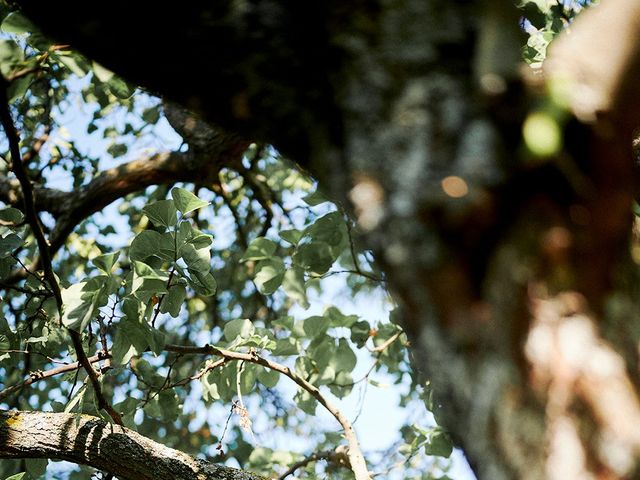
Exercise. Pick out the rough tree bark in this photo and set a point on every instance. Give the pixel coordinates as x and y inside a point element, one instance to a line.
<point>518,296</point>
<point>90,441</point>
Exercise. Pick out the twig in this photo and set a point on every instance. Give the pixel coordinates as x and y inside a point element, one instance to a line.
<point>52,360</point>
<point>226,426</point>
<point>383,346</point>
<point>353,272</point>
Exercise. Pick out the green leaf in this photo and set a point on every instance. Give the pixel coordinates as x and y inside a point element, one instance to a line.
<point>338,319</point>
<point>147,282</point>
<point>162,212</point>
<point>247,378</point>
<point>106,261</point>
<point>10,55</point>
<point>17,23</point>
<point>185,201</point>
<point>151,115</point>
<point>316,325</point>
<point>123,349</point>
<point>330,229</point>
<point>200,240</point>
<point>269,378</point>
<point>306,402</point>
<point>286,347</point>
<point>344,360</point>
<point>260,249</point>
<point>151,243</point>
<point>293,285</point>
<point>117,150</point>
<point>101,73</point>
<point>269,275</point>
<point>83,300</point>
<point>172,301</point>
<point>342,384</point>
<point>36,467</point>
<point>120,88</point>
<point>198,260</point>
<point>9,243</point>
<point>292,236</point>
<point>360,333</point>
<point>439,444</point>
<point>322,349</point>
<point>261,456</point>
<point>204,284</point>
<point>315,198</point>
<point>17,476</point>
<point>73,62</point>
<point>5,344</point>
<point>239,328</point>
<point>11,215</point>
<point>77,398</point>
<point>315,257</point>
<point>210,386</point>
<point>327,376</point>
<point>148,373</point>
<point>169,405</point>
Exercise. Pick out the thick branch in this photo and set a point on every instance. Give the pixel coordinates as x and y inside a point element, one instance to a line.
<point>86,440</point>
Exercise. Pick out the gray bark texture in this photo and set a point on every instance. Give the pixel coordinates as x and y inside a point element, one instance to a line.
<point>90,441</point>
<point>519,295</point>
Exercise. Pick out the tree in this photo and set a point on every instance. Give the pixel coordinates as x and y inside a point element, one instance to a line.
<point>138,320</point>
<point>498,207</point>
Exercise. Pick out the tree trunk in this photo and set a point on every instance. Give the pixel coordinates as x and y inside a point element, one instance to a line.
<point>513,275</point>
<point>90,441</point>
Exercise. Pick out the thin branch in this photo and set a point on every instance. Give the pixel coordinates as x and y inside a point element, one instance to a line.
<point>210,366</point>
<point>39,375</point>
<point>52,360</point>
<point>352,272</point>
<point>356,458</point>
<point>27,191</point>
<point>331,455</point>
<point>354,453</point>
<point>26,291</point>
<point>383,346</point>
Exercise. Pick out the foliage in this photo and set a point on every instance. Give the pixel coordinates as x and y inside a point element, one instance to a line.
<point>543,20</point>
<point>241,263</point>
